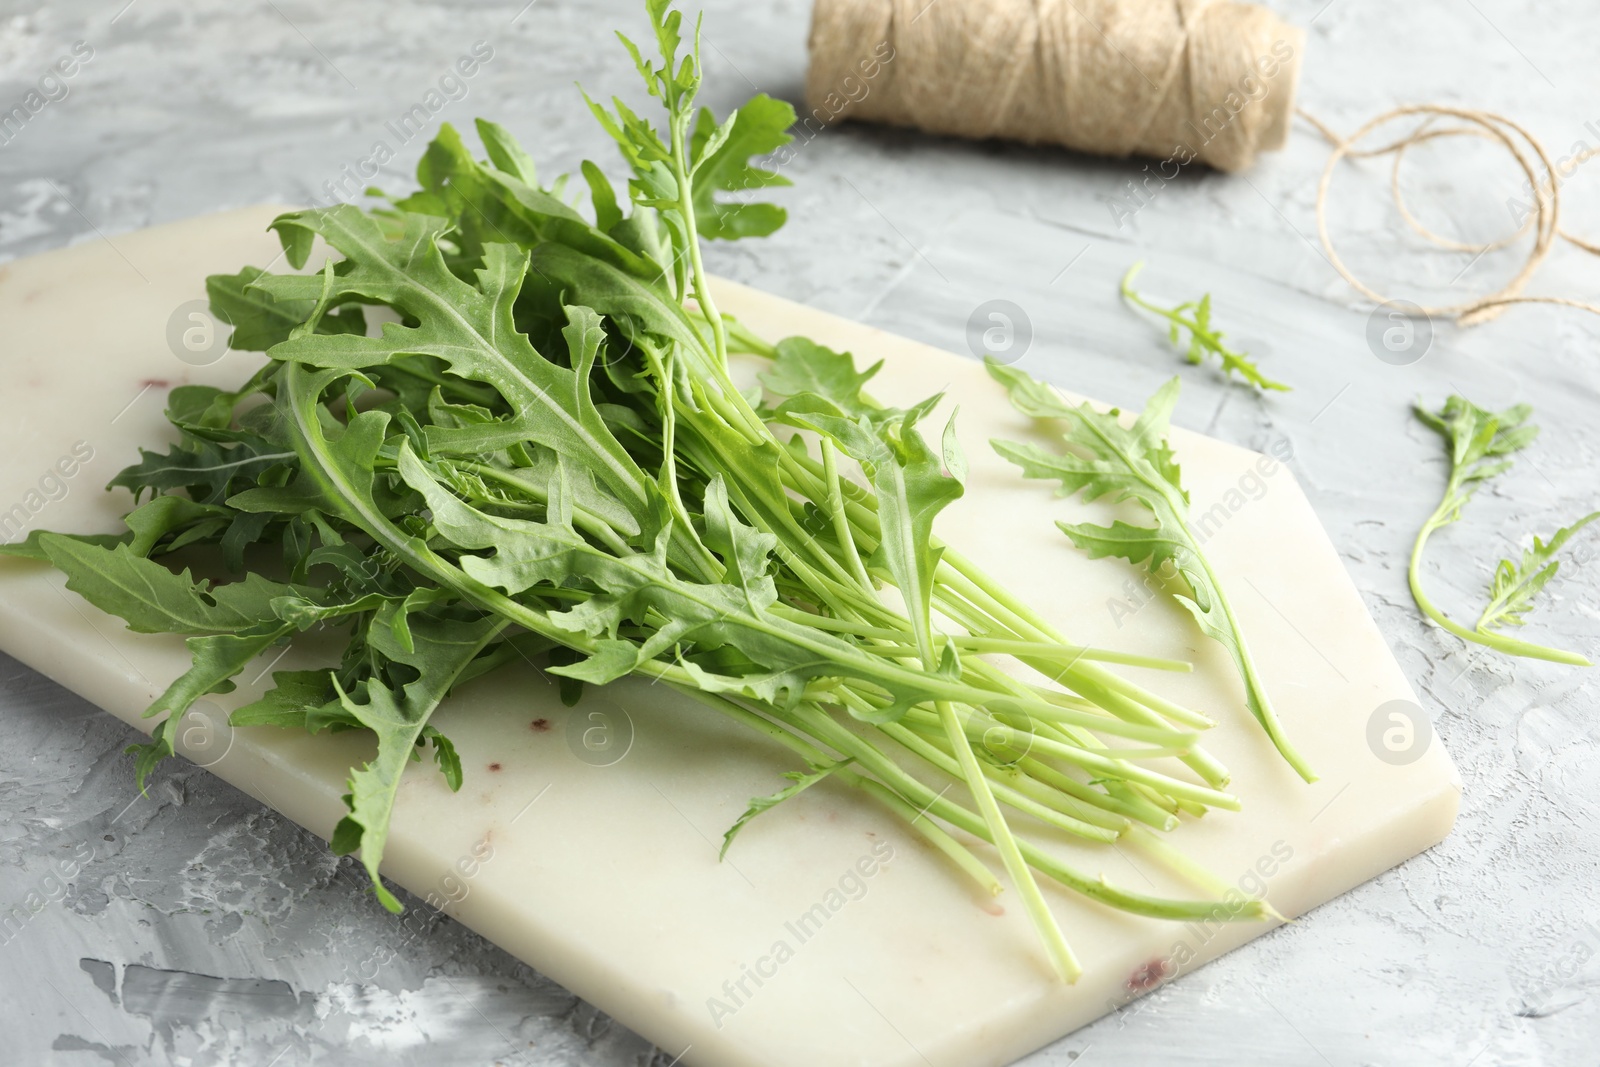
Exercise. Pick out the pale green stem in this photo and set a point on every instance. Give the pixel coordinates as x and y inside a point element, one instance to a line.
<point>1488,639</point>
<point>841,521</point>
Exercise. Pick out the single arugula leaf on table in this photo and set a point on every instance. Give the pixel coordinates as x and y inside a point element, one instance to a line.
<point>1517,584</point>
<point>1481,444</point>
<point>1194,316</point>
<point>1103,458</point>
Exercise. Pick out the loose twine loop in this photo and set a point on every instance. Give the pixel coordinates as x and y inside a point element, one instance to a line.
<point>1211,80</point>
<point>1544,183</point>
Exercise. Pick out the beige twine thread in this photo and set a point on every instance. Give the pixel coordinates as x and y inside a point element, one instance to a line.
<point>1544,180</point>
<point>1112,77</point>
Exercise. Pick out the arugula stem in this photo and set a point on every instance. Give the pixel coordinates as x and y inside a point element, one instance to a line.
<point>1045,651</point>
<point>1173,317</point>
<point>1112,764</point>
<point>978,587</point>
<point>1156,703</point>
<point>1096,888</point>
<point>663,370</point>
<point>1018,779</point>
<point>841,520</point>
<point>1181,865</point>
<point>931,832</point>
<point>685,207</point>
<point>1025,622</point>
<point>1044,921</point>
<point>916,820</point>
<point>942,758</point>
<point>1247,664</point>
<point>1488,638</point>
<point>1128,809</point>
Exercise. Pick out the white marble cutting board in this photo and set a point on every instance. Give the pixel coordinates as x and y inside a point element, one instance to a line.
<point>601,869</point>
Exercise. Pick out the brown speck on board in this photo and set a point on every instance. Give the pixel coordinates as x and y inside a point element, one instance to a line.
<point>494,766</point>
<point>155,383</point>
<point>993,907</point>
<point>540,725</point>
<point>1147,976</point>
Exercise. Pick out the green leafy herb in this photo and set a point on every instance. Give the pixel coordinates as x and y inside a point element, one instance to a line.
<point>1481,444</point>
<point>1515,585</point>
<point>1194,316</point>
<point>542,452</point>
<point>1103,458</point>
<point>802,781</point>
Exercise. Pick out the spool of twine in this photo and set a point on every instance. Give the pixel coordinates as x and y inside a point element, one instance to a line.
<point>1182,80</point>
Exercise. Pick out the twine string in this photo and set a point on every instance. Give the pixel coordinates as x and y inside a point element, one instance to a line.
<point>1526,150</point>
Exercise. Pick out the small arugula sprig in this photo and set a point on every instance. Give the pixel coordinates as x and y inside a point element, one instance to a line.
<point>1516,584</point>
<point>1481,443</point>
<point>1195,317</point>
<point>1103,458</point>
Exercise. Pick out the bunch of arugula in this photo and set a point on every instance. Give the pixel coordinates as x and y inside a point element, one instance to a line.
<point>542,452</point>
<point>1481,445</point>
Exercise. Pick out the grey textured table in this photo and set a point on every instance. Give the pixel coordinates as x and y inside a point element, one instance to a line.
<point>204,929</point>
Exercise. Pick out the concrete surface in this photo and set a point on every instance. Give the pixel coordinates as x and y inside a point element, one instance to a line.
<point>191,926</point>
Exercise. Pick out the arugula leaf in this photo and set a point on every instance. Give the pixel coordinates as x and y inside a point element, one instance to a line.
<point>496,206</point>
<point>442,651</point>
<point>1204,339</point>
<point>233,623</point>
<point>291,700</point>
<point>722,156</point>
<point>1516,585</point>
<point>1135,464</point>
<point>32,546</point>
<point>209,472</point>
<point>912,489</point>
<point>801,366</point>
<point>1481,443</point>
<point>506,154</point>
<point>152,599</point>
<point>163,515</point>
<point>471,328</point>
<point>217,658</point>
<point>259,321</point>
<point>802,782</point>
